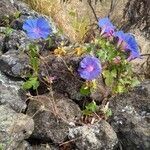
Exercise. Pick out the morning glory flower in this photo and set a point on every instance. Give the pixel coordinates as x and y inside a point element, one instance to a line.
<point>89,68</point>
<point>128,42</point>
<point>107,27</point>
<point>37,28</point>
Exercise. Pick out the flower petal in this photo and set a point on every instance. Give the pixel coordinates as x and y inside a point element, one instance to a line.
<point>43,24</point>
<point>29,24</point>
<point>129,44</point>
<point>106,26</point>
<point>33,35</point>
<point>85,64</point>
<point>37,28</point>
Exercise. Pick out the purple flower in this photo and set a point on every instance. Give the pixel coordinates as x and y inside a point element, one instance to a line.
<point>106,26</point>
<point>89,68</point>
<point>128,43</point>
<point>37,28</point>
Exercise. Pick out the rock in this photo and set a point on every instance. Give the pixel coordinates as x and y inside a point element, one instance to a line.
<point>14,63</point>
<point>131,115</point>
<point>11,93</point>
<point>100,92</point>
<point>44,147</point>
<point>141,66</point>
<point>7,9</point>
<point>16,40</point>
<point>27,146</point>
<point>145,87</point>
<point>49,128</point>
<point>136,13</point>
<point>98,136</point>
<point>14,127</point>
<point>24,145</point>
<point>65,81</point>
<point>52,117</point>
<point>2,40</point>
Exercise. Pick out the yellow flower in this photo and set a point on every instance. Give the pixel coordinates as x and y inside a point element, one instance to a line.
<point>79,51</point>
<point>59,51</point>
<point>91,84</point>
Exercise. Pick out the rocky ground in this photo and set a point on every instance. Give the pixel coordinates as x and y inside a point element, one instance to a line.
<point>32,122</point>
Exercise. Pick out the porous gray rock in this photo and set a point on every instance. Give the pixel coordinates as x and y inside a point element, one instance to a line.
<point>11,93</point>
<point>52,116</point>
<point>98,136</point>
<point>7,9</point>
<point>14,127</point>
<point>65,81</point>
<point>16,40</point>
<point>131,116</point>
<point>14,63</point>
<point>137,14</point>
<point>24,145</point>
<point>27,146</point>
<point>2,40</point>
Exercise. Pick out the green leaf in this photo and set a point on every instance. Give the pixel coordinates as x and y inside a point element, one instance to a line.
<point>85,90</point>
<point>92,107</point>
<point>86,112</point>
<point>120,89</point>
<point>134,82</point>
<point>31,83</point>
<point>108,113</point>
<point>102,55</point>
<point>89,48</point>
<point>1,146</point>
<point>109,79</point>
<point>8,31</point>
<point>17,14</point>
<point>33,50</point>
<point>114,73</point>
<point>27,85</point>
<point>35,64</point>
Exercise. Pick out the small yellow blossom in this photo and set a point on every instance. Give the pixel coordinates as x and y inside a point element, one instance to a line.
<point>79,51</point>
<point>59,52</point>
<point>91,84</point>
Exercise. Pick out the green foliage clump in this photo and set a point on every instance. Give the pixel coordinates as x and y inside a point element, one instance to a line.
<point>90,108</point>
<point>117,71</point>
<point>33,82</point>
<point>93,108</point>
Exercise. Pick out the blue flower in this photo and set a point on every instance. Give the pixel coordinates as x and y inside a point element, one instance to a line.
<point>107,27</point>
<point>128,43</point>
<point>37,28</point>
<point>89,68</point>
